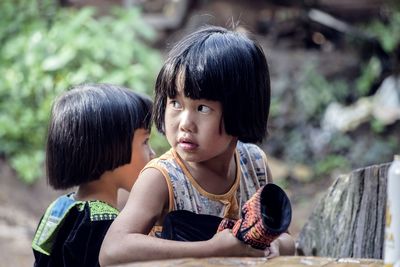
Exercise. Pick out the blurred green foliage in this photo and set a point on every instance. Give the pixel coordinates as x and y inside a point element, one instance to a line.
<point>330,163</point>
<point>387,32</point>
<point>45,50</point>
<point>370,72</point>
<point>295,140</point>
<point>345,150</point>
<point>316,92</point>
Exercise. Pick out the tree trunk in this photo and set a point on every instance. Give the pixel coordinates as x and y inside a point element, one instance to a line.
<point>350,219</point>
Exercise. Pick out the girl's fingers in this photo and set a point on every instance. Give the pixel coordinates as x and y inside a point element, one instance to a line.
<point>267,252</point>
<point>271,252</point>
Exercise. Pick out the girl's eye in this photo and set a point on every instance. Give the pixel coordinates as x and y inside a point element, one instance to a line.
<point>204,109</point>
<point>175,104</point>
<point>146,142</point>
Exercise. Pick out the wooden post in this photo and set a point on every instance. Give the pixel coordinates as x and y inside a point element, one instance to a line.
<point>350,220</point>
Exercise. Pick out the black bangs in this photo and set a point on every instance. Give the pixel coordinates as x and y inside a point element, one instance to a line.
<point>220,65</point>
<point>213,69</point>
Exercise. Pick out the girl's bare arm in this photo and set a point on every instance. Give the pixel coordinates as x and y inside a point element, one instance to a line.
<point>127,239</point>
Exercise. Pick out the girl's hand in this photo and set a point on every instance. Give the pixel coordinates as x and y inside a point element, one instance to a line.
<point>273,250</point>
<point>225,244</point>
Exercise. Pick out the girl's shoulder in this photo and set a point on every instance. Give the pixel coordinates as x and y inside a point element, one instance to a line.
<point>66,215</point>
<point>253,165</point>
<point>250,151</point>
<point>101,211</point>
<point>169,162</point>
<point>167,156</point>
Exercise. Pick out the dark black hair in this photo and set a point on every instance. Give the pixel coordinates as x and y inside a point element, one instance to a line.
<point>221,65</point>
<point>91,131</point>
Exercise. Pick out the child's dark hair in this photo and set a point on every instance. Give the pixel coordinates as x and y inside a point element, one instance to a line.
<point>91,131</point>
<point>221,65</point>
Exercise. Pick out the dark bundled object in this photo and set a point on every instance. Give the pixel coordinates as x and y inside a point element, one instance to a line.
<point>184,225</point>
<point>265,216</point>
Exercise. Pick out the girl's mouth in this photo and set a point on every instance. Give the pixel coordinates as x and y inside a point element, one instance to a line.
<point>187,145</point>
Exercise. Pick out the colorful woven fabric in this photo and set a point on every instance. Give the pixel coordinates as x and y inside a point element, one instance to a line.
<point>265,216</point>
<point>226,224</point>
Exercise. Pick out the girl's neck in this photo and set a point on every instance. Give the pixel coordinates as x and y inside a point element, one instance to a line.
<point>216,175</point>
<point>98,190</point>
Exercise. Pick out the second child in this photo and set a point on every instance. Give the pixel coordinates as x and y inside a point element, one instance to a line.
<point>98,142</point>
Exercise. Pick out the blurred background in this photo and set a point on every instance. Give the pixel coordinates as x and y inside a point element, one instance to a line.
<point>334,73</point>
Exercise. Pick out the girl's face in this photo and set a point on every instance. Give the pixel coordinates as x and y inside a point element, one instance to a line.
<point>194,128</point>
<point>141,154</point>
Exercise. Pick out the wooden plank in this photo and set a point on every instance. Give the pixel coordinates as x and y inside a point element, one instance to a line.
<point>349,221</point>
<point>283,261</point>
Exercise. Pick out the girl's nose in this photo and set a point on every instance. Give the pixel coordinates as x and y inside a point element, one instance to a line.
<point>186,121</point>
<point>152,153</point>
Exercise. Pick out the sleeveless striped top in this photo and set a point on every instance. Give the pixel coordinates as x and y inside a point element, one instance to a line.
<point>186,194</point>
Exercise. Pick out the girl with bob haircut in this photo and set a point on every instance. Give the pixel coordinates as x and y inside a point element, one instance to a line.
<point>212,98</point>
<point>98,141</point>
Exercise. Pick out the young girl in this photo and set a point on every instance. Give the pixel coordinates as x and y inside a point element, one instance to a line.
<point>212,96</point>
<point>98,141</point>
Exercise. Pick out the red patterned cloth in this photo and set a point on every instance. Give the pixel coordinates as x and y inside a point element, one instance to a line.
<point>265,216</point>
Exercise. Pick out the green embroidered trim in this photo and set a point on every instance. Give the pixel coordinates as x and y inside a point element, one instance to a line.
<point>100,211</point>
<point>42,232</point>
<point>50,223</point>
<point>55,214</point>
<point>81,206</point>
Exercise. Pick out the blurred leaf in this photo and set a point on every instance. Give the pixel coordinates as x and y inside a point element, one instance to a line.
<point>59,60</point>
<point>45,50</point>
<point>368,76</point>
<point>387,33</point>
<point>330,163</point>
<point>24,165</point>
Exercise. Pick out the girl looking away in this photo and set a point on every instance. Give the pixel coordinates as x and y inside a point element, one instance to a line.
<point>212,99</point>
<point>97,142</point>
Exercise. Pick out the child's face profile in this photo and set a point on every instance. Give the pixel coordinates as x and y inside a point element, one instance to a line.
<point>194,128</point>
<point>142,153</point>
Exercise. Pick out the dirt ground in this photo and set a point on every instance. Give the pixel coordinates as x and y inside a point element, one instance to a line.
<point>21,206</point>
